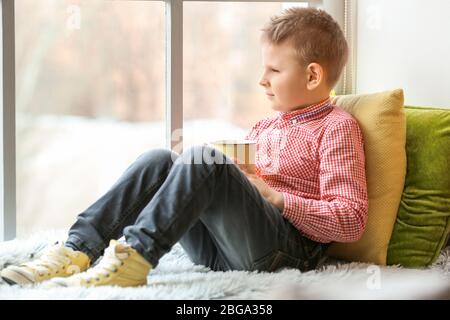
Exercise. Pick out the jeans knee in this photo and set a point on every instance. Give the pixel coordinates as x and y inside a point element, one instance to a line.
<point>158,156</point>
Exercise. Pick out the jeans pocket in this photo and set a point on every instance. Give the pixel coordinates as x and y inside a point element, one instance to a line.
<point>264,263</point>
<point>284,260</point>
<point>277,260</point>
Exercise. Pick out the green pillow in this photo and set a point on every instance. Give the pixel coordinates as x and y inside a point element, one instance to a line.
<point>423,219</point>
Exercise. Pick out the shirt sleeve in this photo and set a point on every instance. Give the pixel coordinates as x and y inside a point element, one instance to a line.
<point>341,212</point>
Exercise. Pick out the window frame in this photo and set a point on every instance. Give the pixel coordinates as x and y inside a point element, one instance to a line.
<point>173,102</point>
<point>8,124</point>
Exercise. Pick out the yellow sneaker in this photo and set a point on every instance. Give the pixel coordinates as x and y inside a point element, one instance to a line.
<point>121,266</point>
<point>56,261</point>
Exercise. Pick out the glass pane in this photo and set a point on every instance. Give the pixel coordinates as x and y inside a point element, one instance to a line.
<point>222,65</point>
<point>90,100</point>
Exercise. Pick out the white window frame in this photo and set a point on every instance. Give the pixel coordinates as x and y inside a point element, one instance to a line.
<point>173,103</point>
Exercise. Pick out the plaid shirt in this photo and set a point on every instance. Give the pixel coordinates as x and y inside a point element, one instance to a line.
<point>315,158</point>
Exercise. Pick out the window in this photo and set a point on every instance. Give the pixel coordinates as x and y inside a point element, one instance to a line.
<point>98,82</point>
<point>89,100</point>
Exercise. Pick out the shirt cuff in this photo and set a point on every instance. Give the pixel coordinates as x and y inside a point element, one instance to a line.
<point>293,208</point>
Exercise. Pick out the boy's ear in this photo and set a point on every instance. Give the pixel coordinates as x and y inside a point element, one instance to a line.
<point>315,75</point>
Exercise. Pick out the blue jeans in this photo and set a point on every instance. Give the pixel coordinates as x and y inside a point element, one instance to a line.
<point>212,209</point>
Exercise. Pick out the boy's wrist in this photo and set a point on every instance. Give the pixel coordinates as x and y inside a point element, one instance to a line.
<point>277,199</point>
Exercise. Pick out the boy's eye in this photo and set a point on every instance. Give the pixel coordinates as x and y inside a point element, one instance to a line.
<point>275,70</point>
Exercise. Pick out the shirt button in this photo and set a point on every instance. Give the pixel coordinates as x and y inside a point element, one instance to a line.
<point>294,121</point>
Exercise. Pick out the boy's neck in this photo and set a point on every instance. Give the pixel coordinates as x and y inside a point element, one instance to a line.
<point>316,102</point>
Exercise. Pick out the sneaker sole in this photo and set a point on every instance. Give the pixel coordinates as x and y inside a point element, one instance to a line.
<point>13,278</point>
<point>11,283</point>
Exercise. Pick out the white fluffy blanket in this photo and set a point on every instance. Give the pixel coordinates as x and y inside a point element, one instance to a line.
<point>177,278</point>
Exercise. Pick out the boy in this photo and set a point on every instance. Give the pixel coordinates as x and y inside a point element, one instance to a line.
<point>308,189</point>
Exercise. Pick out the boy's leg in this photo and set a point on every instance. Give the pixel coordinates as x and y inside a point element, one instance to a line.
<point>201,247</point>
<point>248,231</point>
<point>104,220</point>
<point>120,206</point>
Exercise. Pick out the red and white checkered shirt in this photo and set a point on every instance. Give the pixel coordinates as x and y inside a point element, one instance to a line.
<point>315,158</point>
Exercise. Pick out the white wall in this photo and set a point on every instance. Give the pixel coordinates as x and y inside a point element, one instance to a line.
<point>405,44</point>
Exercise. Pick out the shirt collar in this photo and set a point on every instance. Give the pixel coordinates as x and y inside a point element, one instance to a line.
<point>309,113</point>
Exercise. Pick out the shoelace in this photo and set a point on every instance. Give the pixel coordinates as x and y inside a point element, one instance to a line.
<point>55,259</point>
<point>110,263</point>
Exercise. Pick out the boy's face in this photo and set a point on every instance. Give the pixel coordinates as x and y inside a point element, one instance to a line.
<point>283,78</point>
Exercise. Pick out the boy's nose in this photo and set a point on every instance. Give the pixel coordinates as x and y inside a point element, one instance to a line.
<point>263,82</point>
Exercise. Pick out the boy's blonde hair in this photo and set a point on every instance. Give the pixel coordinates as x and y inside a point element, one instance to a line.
<point>315,36</point>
